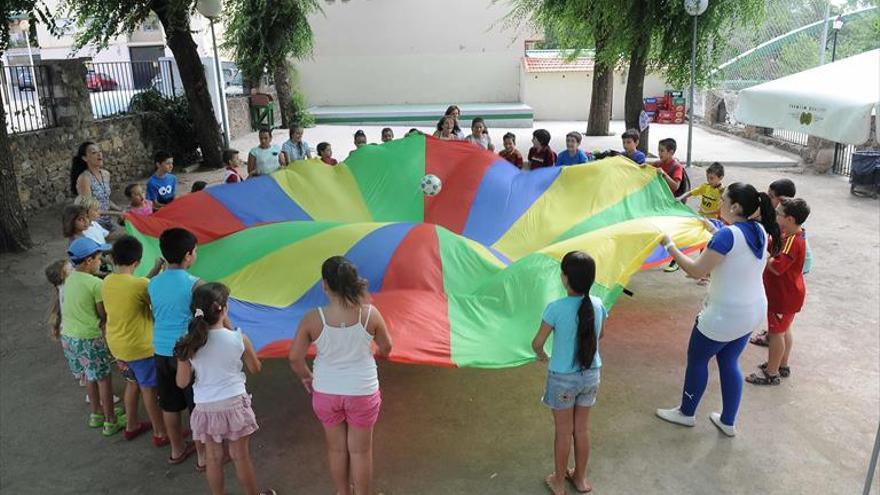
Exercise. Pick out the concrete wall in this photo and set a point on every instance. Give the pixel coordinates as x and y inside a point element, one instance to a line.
<point>411,52</point>
<point>566,95</point>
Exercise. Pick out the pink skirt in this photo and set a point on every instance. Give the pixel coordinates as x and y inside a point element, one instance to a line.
<point>228,419</point>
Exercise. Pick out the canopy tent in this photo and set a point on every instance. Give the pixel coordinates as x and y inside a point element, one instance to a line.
<point>833,101</point>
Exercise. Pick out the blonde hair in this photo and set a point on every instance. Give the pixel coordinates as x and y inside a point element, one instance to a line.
<point>88,202</point>
<point>56,273</point>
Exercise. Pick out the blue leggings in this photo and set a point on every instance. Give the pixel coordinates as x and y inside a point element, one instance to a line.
<point>700,351</point>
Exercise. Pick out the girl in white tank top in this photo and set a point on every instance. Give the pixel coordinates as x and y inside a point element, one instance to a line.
<point>344,382</point>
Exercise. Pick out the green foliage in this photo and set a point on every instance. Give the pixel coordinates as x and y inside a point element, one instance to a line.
<point>168,125</point>
<point>262,33</point>
<point>299,112</point>
<point>12,10</point>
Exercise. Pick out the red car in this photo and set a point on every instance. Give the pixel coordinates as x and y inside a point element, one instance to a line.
<point>96,81</point>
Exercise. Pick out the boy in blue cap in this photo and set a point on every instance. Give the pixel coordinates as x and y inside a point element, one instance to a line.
<point>82,336</point>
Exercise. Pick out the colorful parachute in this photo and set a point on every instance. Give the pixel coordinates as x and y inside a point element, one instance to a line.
<point>461,278</point>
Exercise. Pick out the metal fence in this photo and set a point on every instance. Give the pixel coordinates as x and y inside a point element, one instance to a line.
<point>26,91</point>
<point>112,85</point>
<point>791,136</point>
<point>843,159</point>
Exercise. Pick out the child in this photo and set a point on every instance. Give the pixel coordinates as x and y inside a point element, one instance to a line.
<point>137,202</point>
<point>81,337</point>
<point>197,186</point>
<point>540,155</point>
<point>387,135</point>
<point>572,154</point>
<point>74,221</point>
<point>170,296</point>
<point>630,140</point>
<point>232,164</point>
<point>510,153</point>
<point>446,129</point>
<point>265,158</point>
<point>785,188</point>
<point>673,174</point>
<point>56,274</point>
<point>360,138</point>
<point>95,230</point>
<point>345,385</point>
<point>709,192</point>
<point>784,284</point>
<point>162,185</point>
<point>326,154</point>
<point>214,351</point>
<point>479,135</point>
<point>130,336</point>
<point>295,148</point>
<point>413,131</point>
<point>573,370</point>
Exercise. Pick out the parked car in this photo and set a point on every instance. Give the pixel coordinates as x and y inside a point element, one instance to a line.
<point>98,81</point>
<point>25,80</point>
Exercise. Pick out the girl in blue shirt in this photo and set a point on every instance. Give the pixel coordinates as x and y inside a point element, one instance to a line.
<point>573,370</point>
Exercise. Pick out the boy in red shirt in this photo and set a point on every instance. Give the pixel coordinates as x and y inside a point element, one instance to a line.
<point>668,166</point>
<point>232,162</point>
<point>541,155</point>
<point>510,153</point>
<point>784,284</point>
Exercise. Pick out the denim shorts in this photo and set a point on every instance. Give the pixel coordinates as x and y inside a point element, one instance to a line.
<point>566,390</point>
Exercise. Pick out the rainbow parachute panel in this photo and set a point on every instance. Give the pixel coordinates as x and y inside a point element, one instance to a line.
<point>461,278</point>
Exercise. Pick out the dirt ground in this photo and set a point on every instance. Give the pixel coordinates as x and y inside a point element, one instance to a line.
<point>467,431</point>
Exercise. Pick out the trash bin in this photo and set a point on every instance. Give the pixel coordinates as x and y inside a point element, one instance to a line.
<point>864,176</point>
<point>262,111</point>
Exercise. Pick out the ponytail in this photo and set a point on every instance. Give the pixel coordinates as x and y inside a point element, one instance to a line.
<point>343,280</point>
<point>768,220</point>
<point>78,165</point>
<point>207,306</point>
<point>580,271</point>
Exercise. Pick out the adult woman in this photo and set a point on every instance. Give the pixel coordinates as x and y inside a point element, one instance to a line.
<point>88,178</point>
<point>265,158</point>
<point>735,306</point>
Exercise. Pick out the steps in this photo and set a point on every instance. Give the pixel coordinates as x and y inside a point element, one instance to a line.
<point>495,114</point>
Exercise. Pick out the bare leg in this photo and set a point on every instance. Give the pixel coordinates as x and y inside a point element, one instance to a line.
<point>337,455</point>
<point>564,422</point>
<point>239,450</point>
<point>153,411</point>
<point>360,450</point>
<point>789,341</point>
<point>581,448</point>
<point>175,434</point>
<point>94,397</point>
<point>200,453</point>
<point>215,467</point>
<point>105,390</point>
<point>130,400</point>
<point>776,345</point>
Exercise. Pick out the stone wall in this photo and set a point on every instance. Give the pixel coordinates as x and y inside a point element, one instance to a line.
<point>42,158</point>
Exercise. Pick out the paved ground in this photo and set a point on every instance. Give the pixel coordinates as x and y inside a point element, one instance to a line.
<point>448,431</point>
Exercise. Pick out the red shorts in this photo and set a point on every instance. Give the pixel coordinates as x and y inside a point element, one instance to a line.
<point>361,411</point>
<point>779,322</point>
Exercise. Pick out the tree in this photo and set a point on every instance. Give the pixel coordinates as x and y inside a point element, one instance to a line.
<point>262,34</point>
<point>14,235</point>
<point>101,21</point>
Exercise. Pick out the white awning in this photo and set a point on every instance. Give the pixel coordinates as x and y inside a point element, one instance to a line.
<point>833,101</point>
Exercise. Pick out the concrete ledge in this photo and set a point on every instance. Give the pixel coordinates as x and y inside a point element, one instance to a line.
<point>495,114</point>
<point>757,164</point>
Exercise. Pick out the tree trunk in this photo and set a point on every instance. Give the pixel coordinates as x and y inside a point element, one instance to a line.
<point>635,88</point>
<point>603,93</point>
<point>192,75</point>
<point>14,235</point>
<point>281,75</point>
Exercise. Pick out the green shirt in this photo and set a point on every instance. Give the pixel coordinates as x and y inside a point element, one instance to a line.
<point>79,314</point>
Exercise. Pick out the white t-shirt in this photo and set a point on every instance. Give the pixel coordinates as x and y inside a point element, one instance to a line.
<point>218,367</point>
<point>96,233</point>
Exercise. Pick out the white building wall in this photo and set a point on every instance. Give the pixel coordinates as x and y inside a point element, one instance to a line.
<point>411,52</point>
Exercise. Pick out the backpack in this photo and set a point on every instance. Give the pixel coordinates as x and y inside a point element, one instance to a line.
<point>685,184</point>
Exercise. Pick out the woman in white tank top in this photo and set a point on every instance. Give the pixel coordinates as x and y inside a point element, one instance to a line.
<point>735,306</point>
<point>344,382</point>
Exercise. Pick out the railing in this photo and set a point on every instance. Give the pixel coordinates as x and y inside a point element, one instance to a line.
<point>112,85</point>
<point>791,136</point>
<point>843,159</point>
<point>26,91</point>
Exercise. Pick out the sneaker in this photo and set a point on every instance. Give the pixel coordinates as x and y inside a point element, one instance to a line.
<point>673,267</point>
<point>111,429</point>
<point>728,430</point>
<point>96,420</point>
<point>675,416</point>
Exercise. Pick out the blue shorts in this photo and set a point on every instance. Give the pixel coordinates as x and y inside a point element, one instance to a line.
<point>566,390</point>
<point>142,371</point>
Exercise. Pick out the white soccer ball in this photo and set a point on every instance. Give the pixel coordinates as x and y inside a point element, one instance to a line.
<point>431,185</point>
<point>695,7</point>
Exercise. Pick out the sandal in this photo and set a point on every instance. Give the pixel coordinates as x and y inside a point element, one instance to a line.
<point>569,475</point>
<point>784,371</point>
<point>201,468</point>
<point>142,427</point>
<point>766,379</point>
<point>188,450</point>
<point>759,340</point>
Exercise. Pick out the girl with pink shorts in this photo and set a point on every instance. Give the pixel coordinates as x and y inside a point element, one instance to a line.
<point>344,382</point>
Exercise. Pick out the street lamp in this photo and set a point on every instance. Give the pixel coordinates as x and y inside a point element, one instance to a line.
<point>25,26</point>
<point>836,26</point>
<point>694,8</point>
<point>211,9</point>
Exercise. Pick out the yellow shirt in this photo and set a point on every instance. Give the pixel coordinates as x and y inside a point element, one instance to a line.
<point>129,318</point>
<point>711,198</point>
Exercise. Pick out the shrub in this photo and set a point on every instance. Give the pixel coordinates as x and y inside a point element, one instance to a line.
<point>168,125</point>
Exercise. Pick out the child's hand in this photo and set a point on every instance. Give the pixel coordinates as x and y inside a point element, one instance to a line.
<point>159,265</point>
<point>708,224</point>
<point>542,356</point>
<point>665,240</point>
<point>307,383</point>
<point>121,365</point>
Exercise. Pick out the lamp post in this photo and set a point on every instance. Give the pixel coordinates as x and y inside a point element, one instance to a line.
<point>836,27</point>
<point>211,9</point>
<point>25,26</point>
<point>695,8</point>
